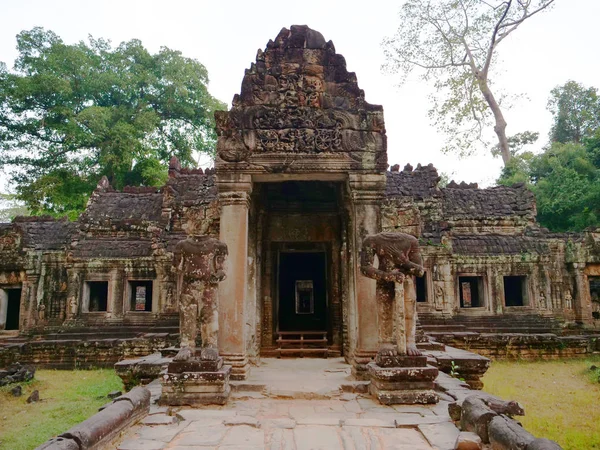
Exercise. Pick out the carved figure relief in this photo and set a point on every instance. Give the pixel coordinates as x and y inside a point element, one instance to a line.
<point>568,300</point>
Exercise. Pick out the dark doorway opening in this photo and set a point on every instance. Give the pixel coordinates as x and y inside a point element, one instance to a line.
<point>13,309</point>
<point>471,292</point>
<point>515,293</point>
<point>302,291</point>
<point>594,283</point>
<point>98,291</point>
<point>140,298</point>
<point>421,287</point>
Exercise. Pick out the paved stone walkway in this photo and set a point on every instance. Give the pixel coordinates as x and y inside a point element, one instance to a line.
<point>298,404</point>
<point>350,422</point>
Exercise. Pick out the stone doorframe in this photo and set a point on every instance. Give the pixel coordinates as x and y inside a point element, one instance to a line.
<point>239,323</point>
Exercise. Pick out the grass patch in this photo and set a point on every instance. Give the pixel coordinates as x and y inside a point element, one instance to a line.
<point>560,398</point>
<point>67,398</point>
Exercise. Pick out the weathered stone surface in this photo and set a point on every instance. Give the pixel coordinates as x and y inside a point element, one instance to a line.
<point>467,440</point>
<point>542,444</point>
<point>506,434</point>
<point>405,397</point>
<point>59,443</point>
<point>402,374</point>
<point>159,419</point>
<point>476,417</point>
<point>196,388</point>
<point>242,420</point>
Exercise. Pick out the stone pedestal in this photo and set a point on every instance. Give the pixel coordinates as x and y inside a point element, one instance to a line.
<point>196,382</point>
<point>402,380</point>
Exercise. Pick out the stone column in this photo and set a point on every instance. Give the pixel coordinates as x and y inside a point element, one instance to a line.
<point>367,193</point>
<point>3,308</point>
<point>234,198</point>
<point>582,303</point>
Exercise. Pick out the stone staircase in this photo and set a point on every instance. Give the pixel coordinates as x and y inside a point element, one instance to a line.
<point>514,323</point>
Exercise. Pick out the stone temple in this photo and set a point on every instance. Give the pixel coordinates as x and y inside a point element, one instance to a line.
<point>300,178</point>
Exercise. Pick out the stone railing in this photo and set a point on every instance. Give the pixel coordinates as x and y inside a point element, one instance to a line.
<point>97,431</point>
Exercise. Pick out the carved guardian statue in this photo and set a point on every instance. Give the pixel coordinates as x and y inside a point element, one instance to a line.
<point>399,260</point>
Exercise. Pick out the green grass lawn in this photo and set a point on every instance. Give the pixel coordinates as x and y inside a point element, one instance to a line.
<point>67,397</point>
<point>561,398</point>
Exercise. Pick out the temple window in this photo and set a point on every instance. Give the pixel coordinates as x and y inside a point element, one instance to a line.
<point>470,290</point>
<point>515,291</point>
<point>140,295</point>
<point>95,296</point>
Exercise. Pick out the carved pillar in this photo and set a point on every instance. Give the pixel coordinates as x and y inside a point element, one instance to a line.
<point>367,192</point>
<point>583,300</point>
<point>234,198</point>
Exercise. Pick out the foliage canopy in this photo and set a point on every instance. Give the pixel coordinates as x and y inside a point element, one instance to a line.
<point>70,114</point>
<point>454,44</point>
<point>565,177</point>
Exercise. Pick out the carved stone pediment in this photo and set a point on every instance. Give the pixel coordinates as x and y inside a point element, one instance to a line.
<point>297,104</point>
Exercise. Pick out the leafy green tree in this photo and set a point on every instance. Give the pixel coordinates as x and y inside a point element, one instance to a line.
<point>566,184</point>
<point>576,111</point>
<point>454,44</point>
<point>70,114</point>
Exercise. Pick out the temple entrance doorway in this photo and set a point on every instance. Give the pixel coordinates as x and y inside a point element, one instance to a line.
<point>10,305</point>
<point>302,291</point>
<point>301,231</point>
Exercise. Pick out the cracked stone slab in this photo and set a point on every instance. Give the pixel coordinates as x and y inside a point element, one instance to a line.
<point>442,435</point>
<point>244,436</point>
<point>280,423</point>
<point>242,420</point>
<point>377,423</point>
<point>141,444</point>
<point>159,419</point>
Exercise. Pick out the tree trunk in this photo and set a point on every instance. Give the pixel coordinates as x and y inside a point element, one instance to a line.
<point>500,126</point>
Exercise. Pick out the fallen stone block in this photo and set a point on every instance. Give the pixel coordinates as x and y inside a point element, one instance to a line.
<point>506,434</point>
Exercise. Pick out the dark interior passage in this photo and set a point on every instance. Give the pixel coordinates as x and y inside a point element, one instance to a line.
<point>98,296</point>
<point>302,291</point>
<point>13,310</point>
<point>421,288</point>
<point>514,291</point>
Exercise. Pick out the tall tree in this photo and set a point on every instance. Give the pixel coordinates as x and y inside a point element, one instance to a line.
<point>72,113</point>
<point>454,43</point>
<point>576,111</point>
<point>566,182</point>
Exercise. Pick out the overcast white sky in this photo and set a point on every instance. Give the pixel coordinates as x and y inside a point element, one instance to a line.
<point>224,35</point>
